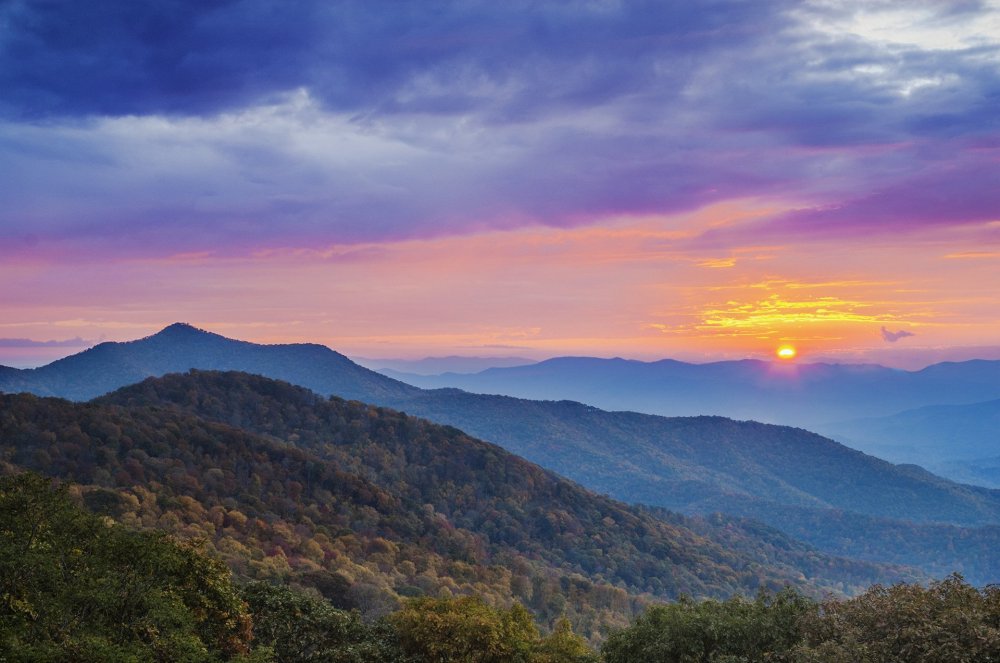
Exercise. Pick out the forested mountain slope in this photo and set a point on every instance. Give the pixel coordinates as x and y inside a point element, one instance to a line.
<point>832,497</point>
<point>701,463</point>
<point>960,441</point>
<point>673,462</point>
<point>368,505</point>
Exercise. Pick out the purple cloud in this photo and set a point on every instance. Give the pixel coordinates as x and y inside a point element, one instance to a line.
<point>29,343</point>
<point>231,125</point>
<point>893,336</point>
<point>114,57</point>
<point>931,188</point>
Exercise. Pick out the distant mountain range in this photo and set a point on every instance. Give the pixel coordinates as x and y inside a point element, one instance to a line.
<point>841,500</point>
<point>958,441</point>
<point>438,365</point>
<point>807,395</point>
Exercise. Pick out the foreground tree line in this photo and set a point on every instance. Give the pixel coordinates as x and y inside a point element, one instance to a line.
<point>76,586</point>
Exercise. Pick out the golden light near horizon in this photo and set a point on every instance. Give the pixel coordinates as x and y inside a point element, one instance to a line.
<point>786,352</point>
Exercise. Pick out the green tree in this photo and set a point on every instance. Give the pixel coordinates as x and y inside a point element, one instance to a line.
<point>736,630</point>
<point>564,646</point>
<point>300,628</point>
<point>465,630</point>
<point>73,586</point>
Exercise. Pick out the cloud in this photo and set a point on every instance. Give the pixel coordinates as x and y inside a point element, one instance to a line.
<point>961,189</point>
<point>291,174</point>
<point>231,126</point>
<point>893,336</point>
<point>29,343</point>
<point>115,57</point>
<point>973,255</point>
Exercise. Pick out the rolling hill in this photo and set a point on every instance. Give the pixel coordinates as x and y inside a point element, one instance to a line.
<point>797,394</point>
<point>438,365</point>
<point>787,478</point>
<point>368,505</point>
<point>958,441</point>
<point>704,464</point>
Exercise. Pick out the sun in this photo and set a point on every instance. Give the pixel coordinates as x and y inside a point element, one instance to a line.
<point>786,352</point>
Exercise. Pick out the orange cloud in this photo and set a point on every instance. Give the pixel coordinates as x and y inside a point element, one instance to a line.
<point>633,287</point>
<point>973,255</point>
<point>718,263</point>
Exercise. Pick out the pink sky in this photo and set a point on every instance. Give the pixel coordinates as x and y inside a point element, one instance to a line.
<point>635,287</point>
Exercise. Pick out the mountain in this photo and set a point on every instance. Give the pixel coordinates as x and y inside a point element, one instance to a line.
<point>788,478</point>
<point>838,499</point>
<point>794,394</point>
<point>693,463</point>
<point>705,463</point>
<point>180,347</point>
<point>438,365</point>
<point>959,441</point>
<point>368,505</point>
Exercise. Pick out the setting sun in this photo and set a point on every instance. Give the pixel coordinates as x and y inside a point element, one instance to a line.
<point>786,352</point>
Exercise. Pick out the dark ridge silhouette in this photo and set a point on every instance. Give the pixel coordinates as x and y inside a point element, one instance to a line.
<point>180,347</point>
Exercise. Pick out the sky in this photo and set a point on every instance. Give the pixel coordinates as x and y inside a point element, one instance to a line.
<point>698,180</point>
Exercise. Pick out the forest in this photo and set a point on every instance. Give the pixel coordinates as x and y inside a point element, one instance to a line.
<point>225,516</point>
<point>832,498</point>
<point>370,507</point>
<point>78,586</point>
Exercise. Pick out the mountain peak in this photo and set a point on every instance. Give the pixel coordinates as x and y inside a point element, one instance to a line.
<point>181,331</point>
<point>181,346</point>
<point>179,328</point>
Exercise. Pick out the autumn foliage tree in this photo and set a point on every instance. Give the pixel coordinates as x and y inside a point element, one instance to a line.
<point>467,630</point>
<point>945,621</point>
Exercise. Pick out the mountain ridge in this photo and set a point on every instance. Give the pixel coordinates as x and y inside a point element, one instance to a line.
<point>181,346</point>
<point>317,480</point>
<point>957,441</point>
<point>697,464</point>
<point>437,365</point>
<point>797,394</point>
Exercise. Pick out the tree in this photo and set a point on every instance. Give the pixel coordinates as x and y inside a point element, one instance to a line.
<point>465,630</point>
<point>300,628</point>
<point>564,646</point>
<point>766,629</point>
<point>947,621</point>
<point>74,586</point>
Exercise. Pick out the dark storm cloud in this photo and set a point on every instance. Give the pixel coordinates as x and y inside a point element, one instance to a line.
<point>114,57</point>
